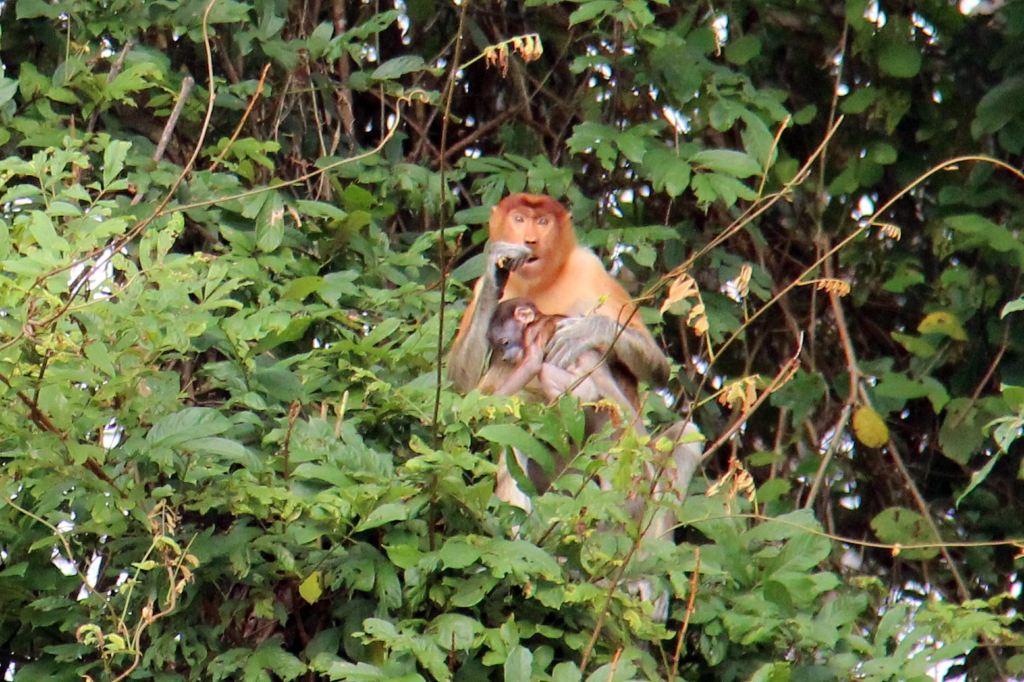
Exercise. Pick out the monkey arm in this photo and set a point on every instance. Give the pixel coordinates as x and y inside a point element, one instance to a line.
<point>633,348</point>
<point>468,356</point>
<point>524,373</point>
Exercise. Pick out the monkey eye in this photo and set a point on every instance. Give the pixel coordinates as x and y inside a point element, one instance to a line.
<point>518,217</point>
<point>543,220</point>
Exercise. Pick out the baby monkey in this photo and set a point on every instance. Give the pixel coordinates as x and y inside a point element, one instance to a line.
<point>518,334</point>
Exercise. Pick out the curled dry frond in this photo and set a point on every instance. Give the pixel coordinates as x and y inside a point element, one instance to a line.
<point>698,319</point>
<point>682,288</point>
<point>742,281</point>
<point>737,478</point>
<point>742,392</point>
<point>528,47</point>
<point>833,286</point>
<point>891,231</point>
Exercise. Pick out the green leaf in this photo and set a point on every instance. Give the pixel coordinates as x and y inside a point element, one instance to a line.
<point>113,160</point>
<point>1014,306</point>
<point>900,526</point>
<point>188,424</point>
<point>858,101</point>
<point>566,672</point>
<point>900,59</point>
<point>989,234</point>
<point>518,666</point>
<point>979,476</point>
<point>741,51</point>
<point>455,632</point>
<point>667,171</point>
<point>310,589</point>
<point>270,223</point>
<point>298,289</point>
<point>99,355</point>
<point>513,436</point>
<point>882,153</point>
<point>945,323</point>
<point>1000,105</point>
<point>917,345</point>
<point>734,163</point>
<point>270,656</point>
<point>32,9</point>
<point>384,514</point>
<point>457,553</point>
<point>8,88</point>
<point>397,67</point>
<point>591,10</point>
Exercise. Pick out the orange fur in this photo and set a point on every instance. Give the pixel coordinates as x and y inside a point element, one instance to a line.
<point>566,279</point>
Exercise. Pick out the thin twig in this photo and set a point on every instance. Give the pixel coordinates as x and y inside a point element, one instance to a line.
<point>691,600</point>
<point>115,70</point>
<point>245,116</point>
<point>442,203</point>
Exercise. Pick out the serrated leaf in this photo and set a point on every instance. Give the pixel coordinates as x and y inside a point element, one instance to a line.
<point>869,427</point>
<point>960,435</point>
<point>457,553</point>
<point>310,589</point>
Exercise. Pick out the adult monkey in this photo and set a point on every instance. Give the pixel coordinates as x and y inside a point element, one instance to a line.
<point>532,253</point>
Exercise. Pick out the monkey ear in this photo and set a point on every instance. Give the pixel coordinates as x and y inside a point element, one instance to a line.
<point>524,314</point>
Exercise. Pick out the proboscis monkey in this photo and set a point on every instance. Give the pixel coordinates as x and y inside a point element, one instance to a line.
<point>532,253</point>
<point>518,335</point>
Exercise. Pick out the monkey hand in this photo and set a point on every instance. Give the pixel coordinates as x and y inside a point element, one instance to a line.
<point>576,335</point>
<point>502,259</point>
<point>507,256</point>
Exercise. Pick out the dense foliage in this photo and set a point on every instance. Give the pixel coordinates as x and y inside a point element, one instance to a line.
<point>235,238</point>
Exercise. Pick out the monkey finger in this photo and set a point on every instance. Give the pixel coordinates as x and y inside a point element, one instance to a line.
<point>567,343</point>
<point>509,256</point>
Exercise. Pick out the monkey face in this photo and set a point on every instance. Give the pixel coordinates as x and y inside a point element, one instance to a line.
<point>506,339</point>
<point>511,350</point>
<point>507,331</point>
<point>540,223</point>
